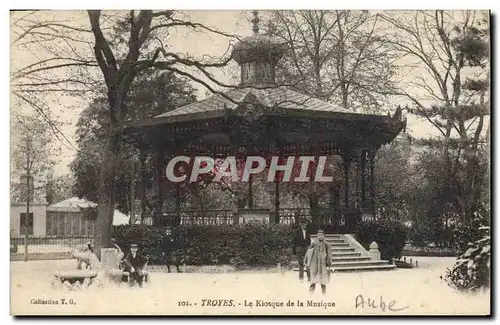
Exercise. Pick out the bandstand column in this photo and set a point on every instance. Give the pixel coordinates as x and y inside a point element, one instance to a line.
<point>250,192</point>
<point>334,202</point>
<point>347,166</point>
<point>277,195</point>
<point>277,199</point>
<point>364,173</point>
<point>142,185</point>
<point>356,194</point>
<point>276,183</point>
<point>178,200</point>
<point>158,157</point>
<point>371,159</point>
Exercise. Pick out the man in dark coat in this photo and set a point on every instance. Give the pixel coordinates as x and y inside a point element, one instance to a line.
<point>169,249</point>
<point>135,264</point>
<point>301,241</point>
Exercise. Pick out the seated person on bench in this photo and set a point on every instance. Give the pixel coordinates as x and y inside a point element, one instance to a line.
<point>135,264</point>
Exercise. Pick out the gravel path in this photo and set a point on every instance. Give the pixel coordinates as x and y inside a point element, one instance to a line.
<point>414,291</point>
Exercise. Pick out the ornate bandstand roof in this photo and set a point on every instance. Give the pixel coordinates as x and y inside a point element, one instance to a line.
<point>258,95</point>
<point>276,100</point>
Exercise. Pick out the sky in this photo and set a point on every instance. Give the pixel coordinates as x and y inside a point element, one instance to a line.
<point>195,44</point>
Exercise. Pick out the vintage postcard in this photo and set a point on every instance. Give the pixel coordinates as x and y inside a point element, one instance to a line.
<point>259,162</point>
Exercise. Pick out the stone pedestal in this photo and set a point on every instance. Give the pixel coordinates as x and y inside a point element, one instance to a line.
<point>374,252</point>
<point>262,216</point>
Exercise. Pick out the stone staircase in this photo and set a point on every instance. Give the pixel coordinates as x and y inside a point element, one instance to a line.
<point>350,256</point>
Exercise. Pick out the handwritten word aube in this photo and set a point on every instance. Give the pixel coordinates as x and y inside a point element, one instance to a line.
<point>362,302</point>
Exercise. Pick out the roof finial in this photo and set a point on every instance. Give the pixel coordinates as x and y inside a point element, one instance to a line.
<point>255,22</point>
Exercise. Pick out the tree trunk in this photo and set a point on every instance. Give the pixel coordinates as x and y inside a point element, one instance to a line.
<point>319,83</point>
<point>26,219</point>
<point>132,193</point>
<point>341,64</point>
<point>106,200</point>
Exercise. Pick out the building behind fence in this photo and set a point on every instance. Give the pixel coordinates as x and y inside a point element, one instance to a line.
<point>57,230</point>
<point>37,218</point>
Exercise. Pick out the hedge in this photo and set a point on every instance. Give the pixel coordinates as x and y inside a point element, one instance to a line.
<point>388,234</point>
<point>249,244</point>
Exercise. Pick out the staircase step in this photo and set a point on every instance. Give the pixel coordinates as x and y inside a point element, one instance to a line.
<point>350,259</point>
<point>357,263</point>
<point>332,245</point>
<point>332,236</point>
<point>357,267</point>
<point>343,254</point>
<point>336,240</point>
<point>342,249</point>
<point>365,268</point>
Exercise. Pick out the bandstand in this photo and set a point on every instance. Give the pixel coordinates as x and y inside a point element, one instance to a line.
<point>259,118</point>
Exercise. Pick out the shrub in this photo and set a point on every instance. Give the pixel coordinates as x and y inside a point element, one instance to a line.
<point>249,244</point>
<point>148,238</point>
<point>390,236</point>
<point>464,235</point>
<point>472,269</point>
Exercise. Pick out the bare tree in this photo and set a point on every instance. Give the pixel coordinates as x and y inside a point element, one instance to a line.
<point>122,45</point>
<point>446,53</point>
<point>336,55</point>
<point>104,53</point>
<point>32,156</point>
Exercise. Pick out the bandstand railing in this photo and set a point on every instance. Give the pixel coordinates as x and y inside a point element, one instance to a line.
<point>194,217</point>
<point>341,221</point>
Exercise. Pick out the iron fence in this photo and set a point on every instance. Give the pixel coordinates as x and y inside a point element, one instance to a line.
<point>48,244</point>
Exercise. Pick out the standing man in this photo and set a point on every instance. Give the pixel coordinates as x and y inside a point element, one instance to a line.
<point>135,264</point>
<point>301,241</point>
<point>168,249</point>
<point>320,263</point>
